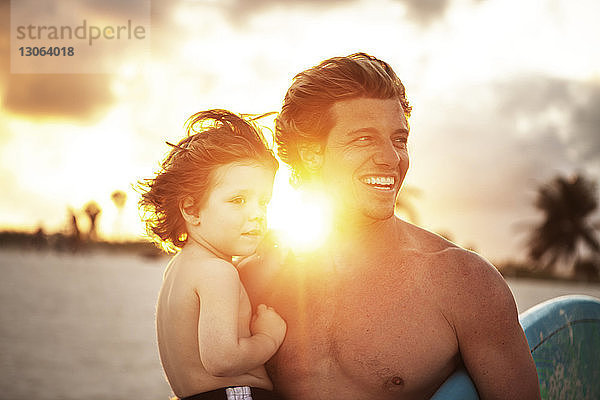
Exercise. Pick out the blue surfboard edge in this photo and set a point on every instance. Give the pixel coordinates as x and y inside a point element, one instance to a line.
<point>545,319</point>
<point>539,323</point>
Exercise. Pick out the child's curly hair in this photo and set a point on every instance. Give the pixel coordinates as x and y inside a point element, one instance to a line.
<point>214,138</point>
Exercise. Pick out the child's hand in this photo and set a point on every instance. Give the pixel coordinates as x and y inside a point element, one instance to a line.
<point>268,322</point>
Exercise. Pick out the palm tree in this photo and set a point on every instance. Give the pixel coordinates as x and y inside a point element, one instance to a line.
<point>119,199</point>
<point>567,205</point>
<point>92,210</point>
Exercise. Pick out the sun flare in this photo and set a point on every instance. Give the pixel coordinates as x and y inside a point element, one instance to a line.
<point>301,219</point>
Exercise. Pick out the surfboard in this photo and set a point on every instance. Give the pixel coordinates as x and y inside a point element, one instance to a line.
<point>564,339</point>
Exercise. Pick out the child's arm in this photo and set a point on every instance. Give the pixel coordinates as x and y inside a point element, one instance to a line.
<point>222,351</point>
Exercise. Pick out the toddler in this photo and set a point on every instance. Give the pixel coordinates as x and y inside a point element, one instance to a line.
<point>208,202</point>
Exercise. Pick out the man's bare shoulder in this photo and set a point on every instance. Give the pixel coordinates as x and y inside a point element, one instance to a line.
<point>477,303</point>
<point>470,286</point>
<point>462,277</point>
<point>422,240</point>
<point>458,268</point>
<point>445,258</point>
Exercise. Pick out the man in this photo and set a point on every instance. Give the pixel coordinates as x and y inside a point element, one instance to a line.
<point>384,309</point>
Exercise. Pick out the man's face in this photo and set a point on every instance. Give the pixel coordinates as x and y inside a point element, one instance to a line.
<point>365,157</point>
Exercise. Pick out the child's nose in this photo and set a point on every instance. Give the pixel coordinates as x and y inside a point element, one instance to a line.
<point>258,213</point>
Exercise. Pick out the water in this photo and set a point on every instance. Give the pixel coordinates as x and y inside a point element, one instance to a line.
<point>82,326</point>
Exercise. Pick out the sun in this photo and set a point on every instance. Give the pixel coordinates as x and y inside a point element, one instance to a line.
<point>301,219</point>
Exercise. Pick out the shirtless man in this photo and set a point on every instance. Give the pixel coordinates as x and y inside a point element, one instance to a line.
<point>385,309</point>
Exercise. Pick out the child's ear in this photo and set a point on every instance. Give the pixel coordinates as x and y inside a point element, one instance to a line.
<point>311,155</point>
<point>190,210</point>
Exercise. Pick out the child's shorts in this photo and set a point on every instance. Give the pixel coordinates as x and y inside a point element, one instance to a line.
<point>235,393</point>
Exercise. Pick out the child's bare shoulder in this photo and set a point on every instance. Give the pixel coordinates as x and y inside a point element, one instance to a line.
<point>208,273</point>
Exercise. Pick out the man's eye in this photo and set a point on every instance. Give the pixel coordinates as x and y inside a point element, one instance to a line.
<point>399,141</point>
<point>363,139</point>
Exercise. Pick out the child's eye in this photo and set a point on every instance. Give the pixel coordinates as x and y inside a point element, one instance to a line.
<point>238,200</point>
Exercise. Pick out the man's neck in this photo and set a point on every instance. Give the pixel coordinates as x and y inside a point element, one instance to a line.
<point>353,224</point>
<point>350,236</point>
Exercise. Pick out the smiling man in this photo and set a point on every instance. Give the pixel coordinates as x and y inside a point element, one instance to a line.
<point>384,309</point>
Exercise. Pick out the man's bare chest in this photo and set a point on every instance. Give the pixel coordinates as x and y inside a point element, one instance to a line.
<point>379,331</point>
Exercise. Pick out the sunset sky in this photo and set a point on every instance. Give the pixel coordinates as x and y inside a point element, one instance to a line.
<point>505,95</point>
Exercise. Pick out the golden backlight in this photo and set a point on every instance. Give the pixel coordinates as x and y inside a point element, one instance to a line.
<point>301,219</point>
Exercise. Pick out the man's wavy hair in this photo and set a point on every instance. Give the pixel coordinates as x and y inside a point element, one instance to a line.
<point>214,138</point>
<point>306,113</point>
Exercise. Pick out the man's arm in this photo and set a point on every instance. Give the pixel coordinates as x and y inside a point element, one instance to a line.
<point>492,344</point>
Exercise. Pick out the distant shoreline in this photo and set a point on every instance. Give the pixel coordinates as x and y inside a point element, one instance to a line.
<point>63,243</point>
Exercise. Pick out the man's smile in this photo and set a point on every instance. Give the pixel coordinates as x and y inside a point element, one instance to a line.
<point>381,182</point>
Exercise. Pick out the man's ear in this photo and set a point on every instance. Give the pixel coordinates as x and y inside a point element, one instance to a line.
<point>190,210</point>
<point>311,155</point>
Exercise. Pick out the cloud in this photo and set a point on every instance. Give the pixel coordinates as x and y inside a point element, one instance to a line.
<point>566,107</point>
<point>420,11</point>
<point>479,153</point>
<point>81,97</point>
<point>514,133</point>
<point>49,95</point>
<point>425,11</point>
<point>129,9</point>
<point>260,5</point>
<point>238,11</point>
<point>586,120</point>
<point>531,94</point>
<point>72,96</point>
<point>4,36</point>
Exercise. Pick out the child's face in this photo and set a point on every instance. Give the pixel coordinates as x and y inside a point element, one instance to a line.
<point>233,218</point>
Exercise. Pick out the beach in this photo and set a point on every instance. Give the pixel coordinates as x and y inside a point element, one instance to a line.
<point>76,326</point>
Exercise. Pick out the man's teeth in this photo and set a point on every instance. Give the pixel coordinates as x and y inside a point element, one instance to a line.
<point>379,180</point>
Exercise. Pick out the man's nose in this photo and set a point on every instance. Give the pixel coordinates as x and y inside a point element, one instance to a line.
<point>387,155</point>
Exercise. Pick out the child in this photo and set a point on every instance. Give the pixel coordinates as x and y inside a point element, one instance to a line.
<point>209,200</point>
